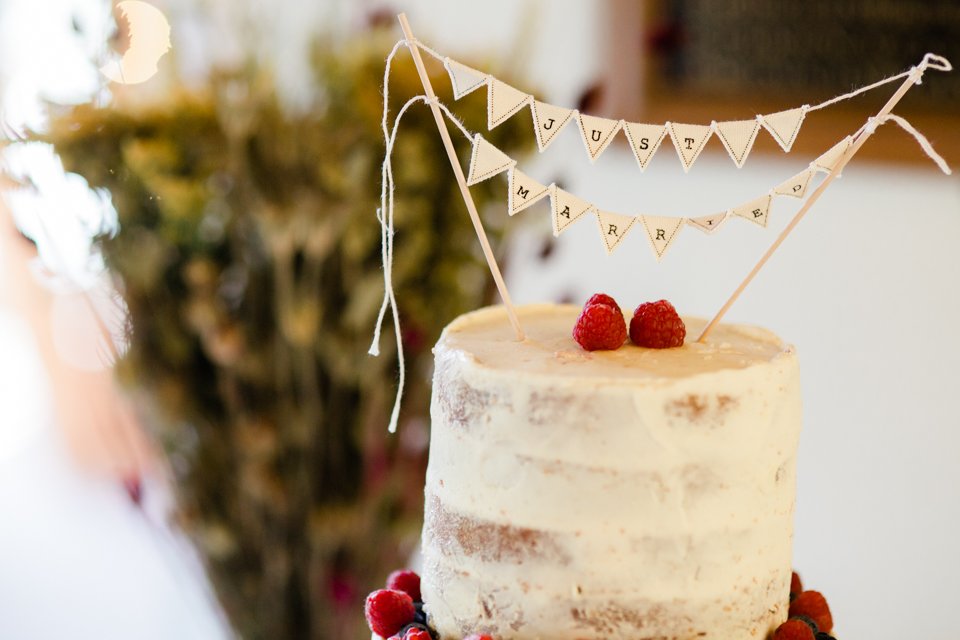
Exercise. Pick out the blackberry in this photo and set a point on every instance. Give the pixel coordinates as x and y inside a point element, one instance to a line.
<point>809,622</point>
<point>419,616</point>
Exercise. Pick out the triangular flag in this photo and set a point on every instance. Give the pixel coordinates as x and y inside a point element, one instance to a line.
<point>689,140</point>
<point>524,191</point>
<point>597,133</point>
<point>755,211</point>
<point>613,228</point>
<point>548,120</point>
<point>795,186</point>
<point>503,101</point>
<point>486,161</point>
<point>644,139</point>
<point>661,232</point>
<point>829,160</point>
<point>738,136</point>
<point>708,224</point>
<point>463,79</point>
<point>784,125</point>
<point>566,208</point>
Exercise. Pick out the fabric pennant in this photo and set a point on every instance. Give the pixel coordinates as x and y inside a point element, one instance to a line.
<point>613,228</point>
<point>708,224</point>
<point>503,101</point>
<point>661,232</point>
<point>784,125</point>
<point>689,139</point>
<point>756,211</point>
<point>828,161</point>
<point>548,120</point>
<point>463,79</point>
<point>644,139</point>
<point>737,137</point>
<point>795,186</point>
<point>597,133</point>
<point>486,161</point>
<point>566,209</point>
<point>524,191</point>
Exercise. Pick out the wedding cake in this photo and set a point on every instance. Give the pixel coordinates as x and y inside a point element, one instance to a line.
<point>631,493</point>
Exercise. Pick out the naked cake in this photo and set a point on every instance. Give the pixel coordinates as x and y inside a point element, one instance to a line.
<point>634,493</point>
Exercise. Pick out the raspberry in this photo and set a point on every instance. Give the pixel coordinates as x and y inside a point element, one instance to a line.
<point>796,587</point>
<point>478,636</point>
<point>416,634</point>
<point>407,581</point>
<point>600,326</point>
<point>602,298</point>
<point>656,325</point>
<point>388,610</point>
<point>793,630</point>
<point>813,605</point>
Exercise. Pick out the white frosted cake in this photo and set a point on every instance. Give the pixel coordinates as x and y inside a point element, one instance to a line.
<point>636,493</point>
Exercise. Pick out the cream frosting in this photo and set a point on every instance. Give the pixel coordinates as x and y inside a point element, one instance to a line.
<point>634,493</point>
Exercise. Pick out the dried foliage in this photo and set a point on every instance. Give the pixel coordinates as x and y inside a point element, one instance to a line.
<point>249,255</point>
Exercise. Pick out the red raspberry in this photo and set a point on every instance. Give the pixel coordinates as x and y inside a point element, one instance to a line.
<point>416,634</point>
<point>407,581</point>
<point>813,605</point>
<point>794,630</point>
<point>602,298</point>
<point>796,587</point>
<point>478,636</point>
<point>656,325</point>
<point>600,326</point>
<point>388,610</point>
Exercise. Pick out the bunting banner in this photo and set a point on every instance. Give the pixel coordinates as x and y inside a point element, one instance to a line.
<point>755,211</point>
<point>795,186</point>
<point>524,191</point>
<point>828,161</point>
<point>736,136</point>
<point>503,101</point>
<point>689,140</point>
<point>463,79</point>
<point>567,208</point>
<point>784,125</point>
<point>597,133</point>
<point>708,224</point>
<point>661,232</point>
<point>614,228</point>
<point>644,140</point>
<point>548,121</point>
<point>486,161</point>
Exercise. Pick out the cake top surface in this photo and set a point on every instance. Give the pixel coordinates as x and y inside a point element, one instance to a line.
<point>486,337</point>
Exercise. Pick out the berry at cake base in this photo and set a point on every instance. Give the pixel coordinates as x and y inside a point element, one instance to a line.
<point>627,492</point>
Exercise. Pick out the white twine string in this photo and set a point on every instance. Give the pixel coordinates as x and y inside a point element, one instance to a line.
<point>385,215</point>
<point>928,149</point>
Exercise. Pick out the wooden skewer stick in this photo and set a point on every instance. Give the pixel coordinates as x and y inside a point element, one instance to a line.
<point>461,180</point>
<point>841,163</point>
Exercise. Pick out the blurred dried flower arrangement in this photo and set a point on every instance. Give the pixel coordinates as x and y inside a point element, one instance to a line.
<point>249,258</point>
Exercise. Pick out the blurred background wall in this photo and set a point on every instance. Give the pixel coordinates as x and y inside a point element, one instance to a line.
<point>866,289</point>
